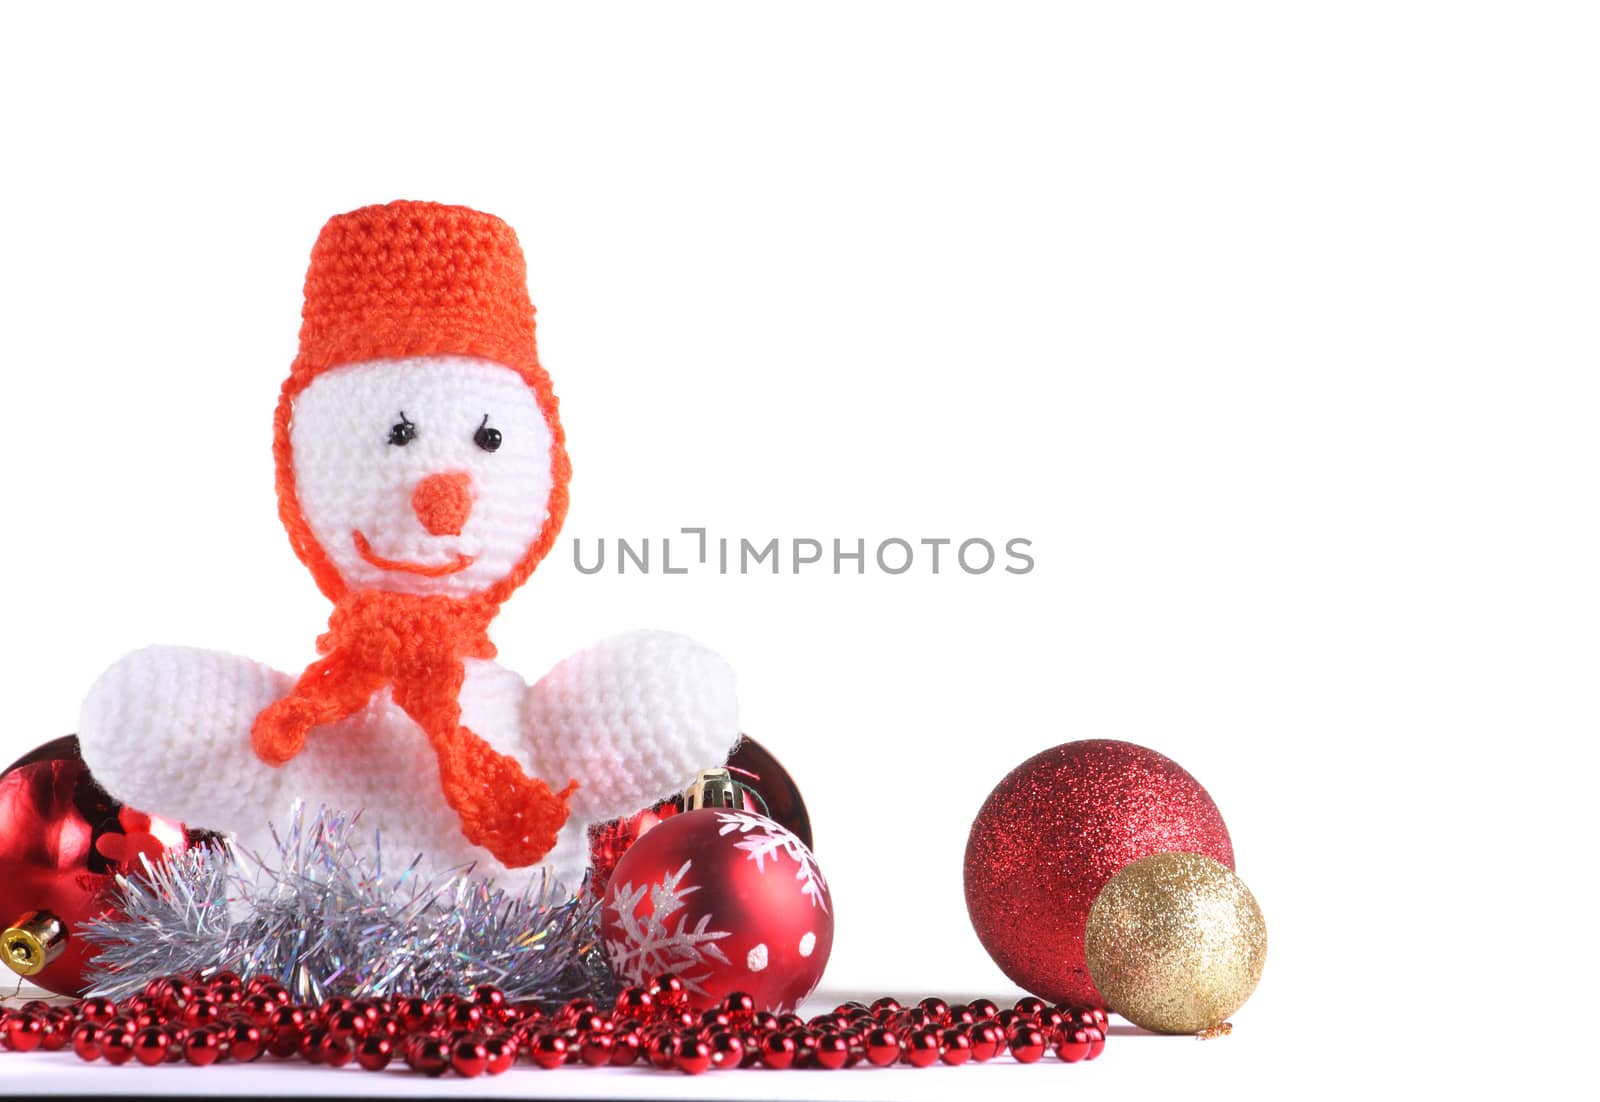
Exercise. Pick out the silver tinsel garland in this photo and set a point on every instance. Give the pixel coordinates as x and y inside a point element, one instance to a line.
<point>327,918</point>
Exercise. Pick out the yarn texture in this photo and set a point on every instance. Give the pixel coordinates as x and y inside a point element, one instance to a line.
<point>422,475</point>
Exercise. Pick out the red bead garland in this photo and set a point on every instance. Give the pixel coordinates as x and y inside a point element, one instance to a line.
<point>223,1019</point>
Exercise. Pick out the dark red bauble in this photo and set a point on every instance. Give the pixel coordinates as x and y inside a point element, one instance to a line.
<point>62,841</point>
<point>753,767</point>
<point>726,901</point>
<point>1054,831</point>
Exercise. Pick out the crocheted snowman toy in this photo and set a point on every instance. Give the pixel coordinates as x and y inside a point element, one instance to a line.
<point>422,474</point>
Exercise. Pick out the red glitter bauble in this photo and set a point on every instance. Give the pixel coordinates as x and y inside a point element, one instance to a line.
<point>727,901</point>
<point>62,840</point>
<point>755,770</point>
<point>1054,831</point>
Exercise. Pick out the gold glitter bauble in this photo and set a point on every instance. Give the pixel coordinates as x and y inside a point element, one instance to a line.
<point>1175,942</point>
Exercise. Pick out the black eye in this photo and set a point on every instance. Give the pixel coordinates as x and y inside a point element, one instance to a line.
<point>487,438</point>
<point>403,431</point>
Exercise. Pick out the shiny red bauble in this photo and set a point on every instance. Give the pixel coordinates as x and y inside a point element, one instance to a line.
<point>1050,836</point>
<point>62,841</point>
<point>725,900</point>
<point>753,768</point>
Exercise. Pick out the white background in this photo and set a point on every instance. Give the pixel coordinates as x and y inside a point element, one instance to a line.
<point>1273,327</point>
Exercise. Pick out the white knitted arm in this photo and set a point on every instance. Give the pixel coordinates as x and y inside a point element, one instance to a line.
<point>167,730</point>
<point>632,719</point>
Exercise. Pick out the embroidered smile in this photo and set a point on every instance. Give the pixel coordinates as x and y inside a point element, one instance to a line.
<point>364,549</point>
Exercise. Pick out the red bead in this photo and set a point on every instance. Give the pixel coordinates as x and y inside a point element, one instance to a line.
<point>937,1009</point>
<point>883,1047</point>
<point>549,1050</point>
<point>24,1032</point>
<point>985,1009</point>
<point>633,1002</point>
<point>662,1051</point>
<point>56,1032</point>
<point>1097,1040</point>
<point>920,1048</point>
<point>429,1055</point>
<point>349,1024</point>
<point>462,1016</point>
<point>310,1047</point>
<point>334,1051</point>
<point>331,1006</point>
<point>413,1012</point>
<point>1073,1045</point>
<point>203,1047</point>
<point>374,1052</point>
<point>86,1041</point>
<point>1027,1043</point>
<point>201,1013</point>
<point>778,1051</point>
<point>1030,1005</point>
<point>259,1007</point>
<point>714,1019</point>
<point>595,1048</point>
<point>285,1030</point>
<point>668,990</point>
<point>577,1008</point>
<point>97,1010</point>
<point>626,1047</point>
<point>150,1045</point>
<point>739,1007</point>
<point>489,997</point>
<point>987,1040</point>
<point>171,993</point>
<point>955,1047</point>
<point>882,1008</point>
<point>242,1039</point>
<point>225,987</point>
<point>914,1017</point>
<point>1009,1018</point>
<point>961,1014</point>
<point>832,1051</point>
<point>468,1056</point>
<point>502,1053</point>
<point>805,1046</point>
<point>693,1055</point>
<point>116,1045</point>
<point>727,1049</point>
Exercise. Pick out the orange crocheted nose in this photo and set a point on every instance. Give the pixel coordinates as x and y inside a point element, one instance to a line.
<point>443,502</point>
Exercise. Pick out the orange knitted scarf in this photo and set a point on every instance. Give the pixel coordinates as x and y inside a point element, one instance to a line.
<point>415,645</point>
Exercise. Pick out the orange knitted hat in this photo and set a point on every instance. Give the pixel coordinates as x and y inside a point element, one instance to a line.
<point>416,279</point>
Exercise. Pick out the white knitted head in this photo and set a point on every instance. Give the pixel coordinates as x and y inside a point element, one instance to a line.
<point>356,482</point>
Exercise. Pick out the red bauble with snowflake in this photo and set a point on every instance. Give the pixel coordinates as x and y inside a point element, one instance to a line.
<point>63,840</point>
<point>727,901</point>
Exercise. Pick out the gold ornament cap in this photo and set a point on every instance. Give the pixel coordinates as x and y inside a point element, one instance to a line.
<point>717,788</point>
<point>1175,942</point>
<point>33,941</point>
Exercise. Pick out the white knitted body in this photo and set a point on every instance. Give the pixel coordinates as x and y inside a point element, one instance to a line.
<point>167,730</point>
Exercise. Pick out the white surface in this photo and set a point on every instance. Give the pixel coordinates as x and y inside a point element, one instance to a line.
<point>1272,326</point>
